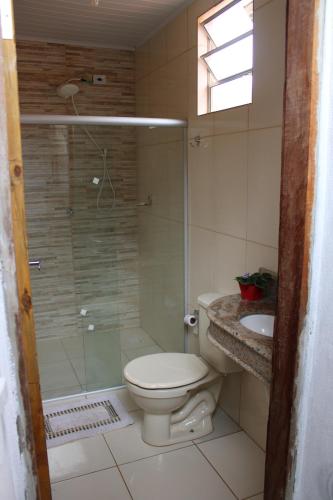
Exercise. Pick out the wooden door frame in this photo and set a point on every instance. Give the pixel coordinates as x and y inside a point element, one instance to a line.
<point>296,203</point>
<point>25,327</point>
<point>298,166</point>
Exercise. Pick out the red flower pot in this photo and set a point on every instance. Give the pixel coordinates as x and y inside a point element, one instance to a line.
<point>250,292</point>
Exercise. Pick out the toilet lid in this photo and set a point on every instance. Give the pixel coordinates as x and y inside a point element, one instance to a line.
<point>165,370</point>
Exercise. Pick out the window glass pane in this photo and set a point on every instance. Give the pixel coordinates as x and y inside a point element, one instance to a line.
<point>234,93</point>
<point>232,60</point>
<point>231,23</point>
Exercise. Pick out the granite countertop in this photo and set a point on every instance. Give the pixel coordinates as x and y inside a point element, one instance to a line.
<point>249,349</point>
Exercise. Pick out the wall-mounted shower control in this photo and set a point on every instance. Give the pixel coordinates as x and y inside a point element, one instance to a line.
<point>99,80</point>
<point>35,264</point>
<point>147,203</point>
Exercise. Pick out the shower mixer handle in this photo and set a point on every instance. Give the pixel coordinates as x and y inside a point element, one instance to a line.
<point>35,264</point>
<point>147,203</point>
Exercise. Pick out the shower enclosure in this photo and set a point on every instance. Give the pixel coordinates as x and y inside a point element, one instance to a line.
<point>105,206</point>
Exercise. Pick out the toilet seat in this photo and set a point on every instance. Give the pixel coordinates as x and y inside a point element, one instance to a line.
<point>165,370</point>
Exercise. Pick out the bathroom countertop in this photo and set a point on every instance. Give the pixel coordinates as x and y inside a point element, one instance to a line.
<point>247,348</point>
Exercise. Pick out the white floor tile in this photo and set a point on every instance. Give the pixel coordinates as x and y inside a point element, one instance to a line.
<point>134,338</point>
<point>257,497</point>
<point>96,373</point>
<point>78,458</point>
<point>126,399</point>
<point>103,485</point>
<point>142,351</point>
<point>240,462</point>
<point>223,425</point>
<point>50,351</point>
<point>179,475</point>
<point>58,375</point>
<point>74,346</point>
<point>127,445</point>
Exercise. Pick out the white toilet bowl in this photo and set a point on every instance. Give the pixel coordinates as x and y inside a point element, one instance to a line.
<point>178,394</point>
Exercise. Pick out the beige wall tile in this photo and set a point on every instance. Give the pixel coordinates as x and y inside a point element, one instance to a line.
<point>264,172</point>
<point>201,251</point>
<point>268,71</point>
<point>158,96</point>
<point>254,408</point>
<point>142,61</point>
<point>143,96</point>
<point>228,261</point>
<point>158,49</point>
<point>176,74</point>
<point>193,342</point>
<point>231,120</point>
<point>230,395</point>
<point>177,36</point>
<point>201,183</point>
<point>260,3</point>
<point>260,256</point>
<point>229,184</point>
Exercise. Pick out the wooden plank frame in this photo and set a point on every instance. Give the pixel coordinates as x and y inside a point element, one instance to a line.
<point>25,328</point>
<point>298,168</point>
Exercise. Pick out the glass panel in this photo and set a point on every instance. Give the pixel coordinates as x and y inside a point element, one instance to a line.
<point>103,246</point>
<point>232,23</point>
<point>234,93</point>
<point>161,236</point>
<point>111,286</point>
<point>234,59</point>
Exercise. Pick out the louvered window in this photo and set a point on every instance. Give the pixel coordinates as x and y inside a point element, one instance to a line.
<point>229,58</point>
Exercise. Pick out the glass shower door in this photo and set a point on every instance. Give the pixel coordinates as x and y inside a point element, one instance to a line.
<point>161,236</point>
<point>105,216</point>
<point>104,248</point>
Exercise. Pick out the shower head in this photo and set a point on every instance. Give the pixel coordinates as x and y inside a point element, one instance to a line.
<point>67,90</point>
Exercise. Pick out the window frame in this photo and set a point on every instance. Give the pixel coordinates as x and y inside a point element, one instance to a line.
<point>212,81</point>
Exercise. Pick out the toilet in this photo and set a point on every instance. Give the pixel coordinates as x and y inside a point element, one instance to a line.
<point>179,392</point>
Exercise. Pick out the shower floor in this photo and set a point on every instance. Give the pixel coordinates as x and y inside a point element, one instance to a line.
<point>68,365</point>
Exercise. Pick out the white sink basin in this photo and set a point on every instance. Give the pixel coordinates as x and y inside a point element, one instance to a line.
<point>259,323</point>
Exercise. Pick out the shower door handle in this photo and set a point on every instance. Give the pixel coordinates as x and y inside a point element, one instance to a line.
<point>147,203</point>
<point>35,264</point>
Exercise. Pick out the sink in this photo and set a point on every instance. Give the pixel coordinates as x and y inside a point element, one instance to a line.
<point>259,323</point>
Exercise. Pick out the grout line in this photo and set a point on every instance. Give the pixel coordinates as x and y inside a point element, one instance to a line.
<point>217,437</point>
<point>188,445</point>
<point>126,485</point>
<point>252,496</point>
<point>82,475</point>
<point>253,441</point>
<point>202,453</point>
<point>114,458</point>
<point>232,236</point>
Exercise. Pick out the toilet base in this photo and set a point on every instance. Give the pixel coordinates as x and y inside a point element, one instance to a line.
<point>192,421</point>
<point>176,435</point>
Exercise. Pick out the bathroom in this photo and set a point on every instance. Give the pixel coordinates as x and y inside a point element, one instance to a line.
<point>139,221</point>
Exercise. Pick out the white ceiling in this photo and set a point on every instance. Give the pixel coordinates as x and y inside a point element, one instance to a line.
<point>113,23</point>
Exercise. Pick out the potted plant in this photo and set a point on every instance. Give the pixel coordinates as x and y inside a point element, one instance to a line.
<point>253,286</point>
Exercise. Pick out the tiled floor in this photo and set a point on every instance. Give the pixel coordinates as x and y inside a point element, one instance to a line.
<point>225,465</point>
<point>77,364</point>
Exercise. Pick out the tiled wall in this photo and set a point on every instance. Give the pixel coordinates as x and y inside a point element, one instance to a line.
<point>234,176</point>
<point>89,257</point>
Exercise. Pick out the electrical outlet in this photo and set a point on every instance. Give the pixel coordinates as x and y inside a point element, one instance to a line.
<point>99,79</point>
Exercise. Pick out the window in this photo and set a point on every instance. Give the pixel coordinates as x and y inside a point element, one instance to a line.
<point>225,49</point>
